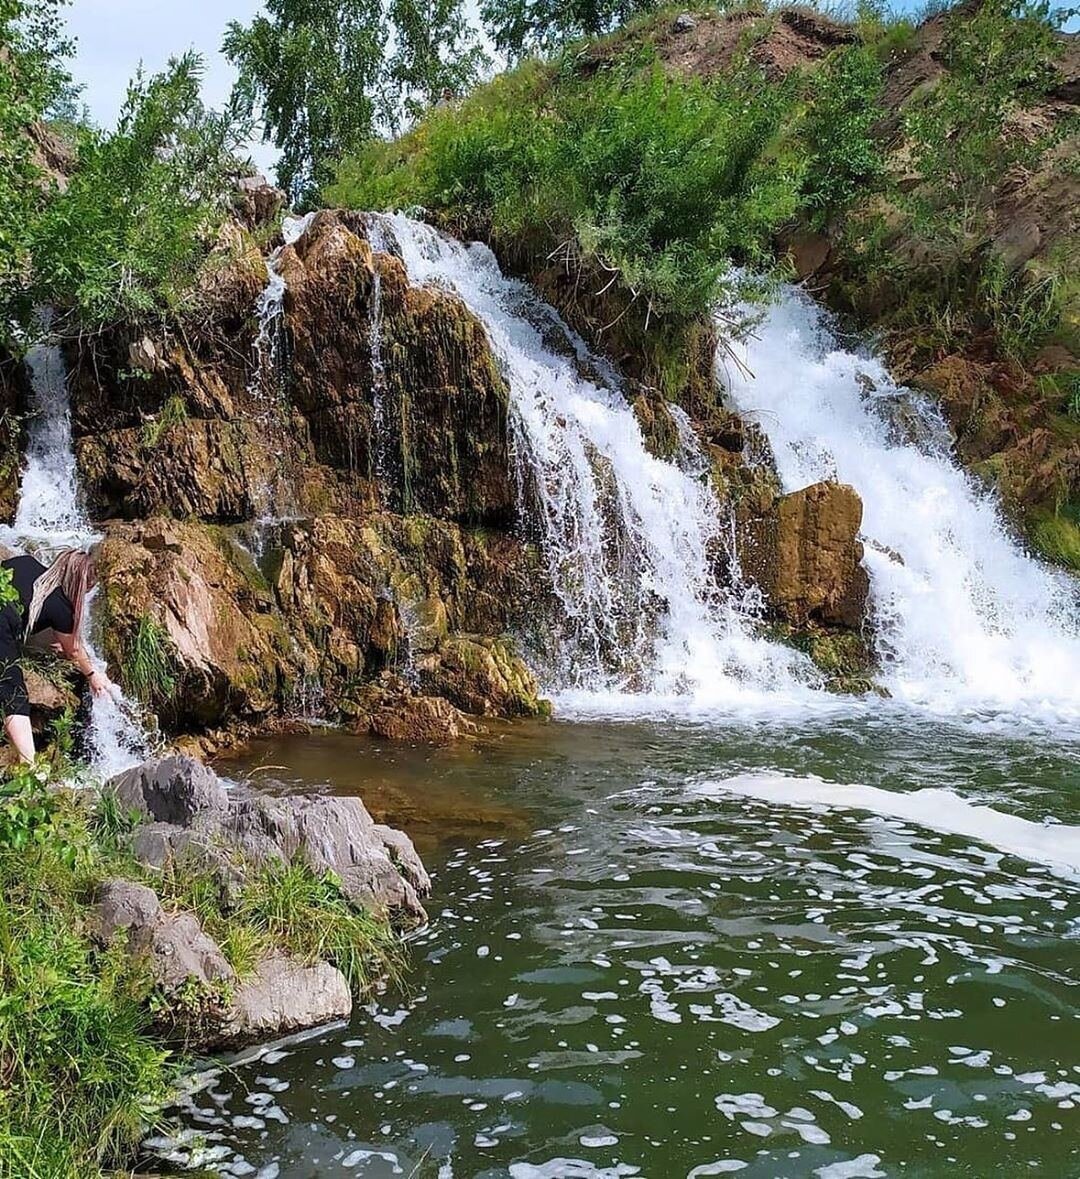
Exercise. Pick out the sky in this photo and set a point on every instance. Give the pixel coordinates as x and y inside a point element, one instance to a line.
<point>114,36</point>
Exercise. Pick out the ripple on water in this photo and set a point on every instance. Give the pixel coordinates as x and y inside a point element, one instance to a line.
<point>689,981</point>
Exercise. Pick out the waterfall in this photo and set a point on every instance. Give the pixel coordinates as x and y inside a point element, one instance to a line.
<point>379,241</point>
<point>630,540</point>
<point>965,619</point>
<point>266,381</point>
<point>49,517</point>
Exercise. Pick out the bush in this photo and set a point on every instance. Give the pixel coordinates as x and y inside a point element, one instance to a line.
<point>144,203</point>
<point>658,181</point>
<point>83,1074</point>
<point>80,1075</point>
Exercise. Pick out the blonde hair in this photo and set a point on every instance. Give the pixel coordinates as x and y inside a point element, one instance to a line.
<point>73,573</point>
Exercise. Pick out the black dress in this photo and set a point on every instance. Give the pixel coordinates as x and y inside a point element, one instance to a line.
<point>56,614</point>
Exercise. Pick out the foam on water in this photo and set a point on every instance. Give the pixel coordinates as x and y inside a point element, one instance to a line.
<point>1055,845</point>
<point>965,619</point>
<point>631,541</point>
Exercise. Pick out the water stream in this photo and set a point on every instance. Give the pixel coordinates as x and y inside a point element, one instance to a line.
<point>833,947</point>
<point>50,516</point>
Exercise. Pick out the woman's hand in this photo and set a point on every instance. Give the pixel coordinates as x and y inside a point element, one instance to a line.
<point>100,684</point>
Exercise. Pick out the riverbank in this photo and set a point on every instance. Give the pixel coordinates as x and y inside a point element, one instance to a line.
<point>159,916</point>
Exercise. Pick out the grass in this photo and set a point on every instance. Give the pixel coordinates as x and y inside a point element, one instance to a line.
<point>172,413</point>
<point>147,665</point>
<point>84,1072</point>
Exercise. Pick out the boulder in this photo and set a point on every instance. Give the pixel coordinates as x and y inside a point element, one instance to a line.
<point>283,996</point>
<point>172,790</point>
<point>483,676</point>
<point>228,832</point>
<point>414,719</point>
<point>806,557</point>
<point>174,945</point>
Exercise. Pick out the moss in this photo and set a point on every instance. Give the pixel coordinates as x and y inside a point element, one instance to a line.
<point>1057,537</point>
<point>842,656</point>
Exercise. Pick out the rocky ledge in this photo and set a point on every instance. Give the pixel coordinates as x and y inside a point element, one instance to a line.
<point>187,820</point>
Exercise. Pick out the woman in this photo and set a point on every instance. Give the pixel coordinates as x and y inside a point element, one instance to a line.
<point>47,599</point>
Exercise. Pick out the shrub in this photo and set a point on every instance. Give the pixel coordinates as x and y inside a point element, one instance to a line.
<point>143,205</point>
<point>658,181</point>
<point>147,667</point>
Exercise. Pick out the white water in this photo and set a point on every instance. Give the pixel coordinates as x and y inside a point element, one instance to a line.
<point>49,517</point>
<point>966,620</point>
<point>270,306</point>
<point>379,241</point>
<point>1055,845</point>
<point>275,502</point>
<point>630,540</point>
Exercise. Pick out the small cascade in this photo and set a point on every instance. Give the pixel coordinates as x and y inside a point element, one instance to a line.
<point>630,540</point>
<point>379,241</point>
<point>266,384</point>
<point>965,619</point>
<point>50,517</point>
<point>49,509</point>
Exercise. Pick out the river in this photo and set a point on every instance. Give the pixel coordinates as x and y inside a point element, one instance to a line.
<point>652,952</point>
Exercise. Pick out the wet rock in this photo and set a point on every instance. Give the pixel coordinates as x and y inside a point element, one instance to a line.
<point>806,557</point>
<point>657,423</point>
<point>483,676</point>
<point>413,718</point>
<point>283,996</point>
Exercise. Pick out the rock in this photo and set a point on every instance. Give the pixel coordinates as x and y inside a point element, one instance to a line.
<point>174,945</point>
<point>657,423</point>
<point>257,202</point>
<point>174,790</point>
<point>683,23</point>
<point>806,557</point>
<point>193,815</point>
<point>330,835</point>
<point>482,676</point>
<point>417,720</point>
<point>284,996</point>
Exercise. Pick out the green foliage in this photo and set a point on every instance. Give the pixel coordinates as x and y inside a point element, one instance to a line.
<point>81,1077</point>
<point>126,236</point>
<point>521,27</point>
<point>32,80</point>
<point>311,918</point>
<point>656,181</point>
<point>436,56</point>
<point>147,667</point>
<point>845,163</point>
<point>1057,536</point>
<point>82,1072</point>
<point>173,413</point>
<point>318,78</point>
<point>999,58</point>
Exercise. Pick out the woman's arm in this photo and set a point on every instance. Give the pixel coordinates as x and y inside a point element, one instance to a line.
<point>74,652</point>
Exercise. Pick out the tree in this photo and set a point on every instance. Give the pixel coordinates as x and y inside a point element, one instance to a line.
<point>436,55</point>
<point>33,79</point>
<point>319,78</point>
<point>311,70</point>
<point>521,27</point>
<point>142,204</point>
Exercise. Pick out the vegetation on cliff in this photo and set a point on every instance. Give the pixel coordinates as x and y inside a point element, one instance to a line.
<point>919,172</point>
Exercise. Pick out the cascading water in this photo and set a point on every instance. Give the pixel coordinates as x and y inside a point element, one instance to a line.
<point>966,621</point>
<point>275,500</point>
<point>378,239</point>
<point>630,540</point>
<point>50,517</point>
